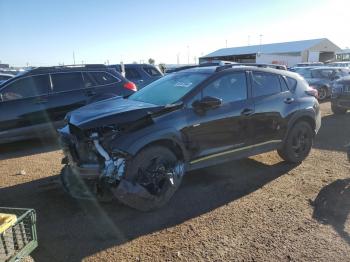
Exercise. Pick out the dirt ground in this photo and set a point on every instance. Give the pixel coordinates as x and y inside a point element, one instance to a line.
<point>257,209</point>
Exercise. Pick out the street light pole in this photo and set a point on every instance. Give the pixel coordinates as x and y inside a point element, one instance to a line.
<point>188,55</point>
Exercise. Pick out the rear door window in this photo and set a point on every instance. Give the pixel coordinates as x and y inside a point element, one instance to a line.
<point>265,84</point>
<point>284,85</point>
<point>229,88</point>
<point>63,82</point>
<point>26,87</point>
<point>292,83</point>
<point>151,71</point>
<point>132,73</point>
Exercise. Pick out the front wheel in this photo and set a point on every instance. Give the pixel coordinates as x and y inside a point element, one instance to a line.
<point>298,143</point>
<point>151,179</point>
<point>322,93</point>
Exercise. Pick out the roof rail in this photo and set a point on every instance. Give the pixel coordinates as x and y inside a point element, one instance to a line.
<point>280,67</point>
<point>43,68</point>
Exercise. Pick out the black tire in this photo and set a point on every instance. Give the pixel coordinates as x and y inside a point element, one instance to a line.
<point>298,143</point>
<point>322,93</point>
<point>152,158</point>
<point>338,110</point>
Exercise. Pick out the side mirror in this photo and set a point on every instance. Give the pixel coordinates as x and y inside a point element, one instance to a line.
<point>207,102</point>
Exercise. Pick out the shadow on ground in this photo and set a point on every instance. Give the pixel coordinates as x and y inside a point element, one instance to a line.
<point>332,206</point>
<point>70,230</point>
<point>28,147</point>
<point>334,133</point>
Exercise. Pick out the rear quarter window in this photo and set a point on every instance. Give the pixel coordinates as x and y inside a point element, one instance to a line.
<point>151,71</point>
<point>103,78</point>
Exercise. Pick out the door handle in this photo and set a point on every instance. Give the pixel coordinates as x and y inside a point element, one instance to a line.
<point>39,101</point>
<point>289,100</point>
<point>90,93</point>
<point>247,112</point>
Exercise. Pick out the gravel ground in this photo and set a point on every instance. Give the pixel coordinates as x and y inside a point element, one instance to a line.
<point>256,209</point>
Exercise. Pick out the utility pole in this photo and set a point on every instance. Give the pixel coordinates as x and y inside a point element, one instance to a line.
<point>188,54</point>
<point>260,42</point>
<point>226,43</point>
<point>248,40</point>
<point>178,58</point>
<point>73,58</point>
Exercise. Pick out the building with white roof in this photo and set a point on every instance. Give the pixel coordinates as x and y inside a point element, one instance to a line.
<point>287,53</point>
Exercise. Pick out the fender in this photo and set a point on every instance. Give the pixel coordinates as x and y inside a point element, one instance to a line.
<point>308,114</point>
<point>135,144</point>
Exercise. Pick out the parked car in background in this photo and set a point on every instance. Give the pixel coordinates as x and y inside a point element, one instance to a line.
<point>138,149</point>
<point>309,64</point>
<point>321,78</point>
<point>5,77</point>
<point>35,102</point>
<point>340,100</point>
<point>340,64</point>
<point>140,74</point>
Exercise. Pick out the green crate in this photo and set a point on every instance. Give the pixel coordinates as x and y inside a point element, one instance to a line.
<point>19,240</point>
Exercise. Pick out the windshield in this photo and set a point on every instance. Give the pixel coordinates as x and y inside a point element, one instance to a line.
<point>169,89</point>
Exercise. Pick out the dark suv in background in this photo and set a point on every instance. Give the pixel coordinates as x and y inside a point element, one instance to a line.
<point>340,100</point>
<point>137,149</point>
<point>321,78</point>
<point>35,102</point>
<point>140,74</point>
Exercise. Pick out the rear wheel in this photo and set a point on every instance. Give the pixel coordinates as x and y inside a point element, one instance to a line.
<point>298,143</point>
<point>322,93</point>
<point>338,110</point>
<point>153,169</point>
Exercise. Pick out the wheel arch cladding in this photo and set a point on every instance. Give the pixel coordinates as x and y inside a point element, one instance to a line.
<point>305,118</point>
<point>168,143</point>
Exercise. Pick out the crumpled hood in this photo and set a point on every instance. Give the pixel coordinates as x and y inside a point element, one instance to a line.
<point>111,111</point>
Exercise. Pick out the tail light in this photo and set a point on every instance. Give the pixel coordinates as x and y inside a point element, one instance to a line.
<point>130,86</point>
<point>312,91</point>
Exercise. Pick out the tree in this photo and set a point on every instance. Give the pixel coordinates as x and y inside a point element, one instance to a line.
<point>151,61</point>
<point>162,67</point>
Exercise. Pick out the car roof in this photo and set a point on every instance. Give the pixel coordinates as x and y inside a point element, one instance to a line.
<point>3,74</point>
<point>69,68</point>
<point>213,69</point>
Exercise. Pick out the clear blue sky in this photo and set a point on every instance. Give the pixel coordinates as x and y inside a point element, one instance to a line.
<point>43,32</point>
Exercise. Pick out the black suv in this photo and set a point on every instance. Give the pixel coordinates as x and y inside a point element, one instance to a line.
<point>138,149</point>
<point>35,102</point>
<point>140,74</point>
<point>340,100</point>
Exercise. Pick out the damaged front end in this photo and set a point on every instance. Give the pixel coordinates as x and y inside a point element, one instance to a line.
<point>93,170</point>
<point>89,167</point>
